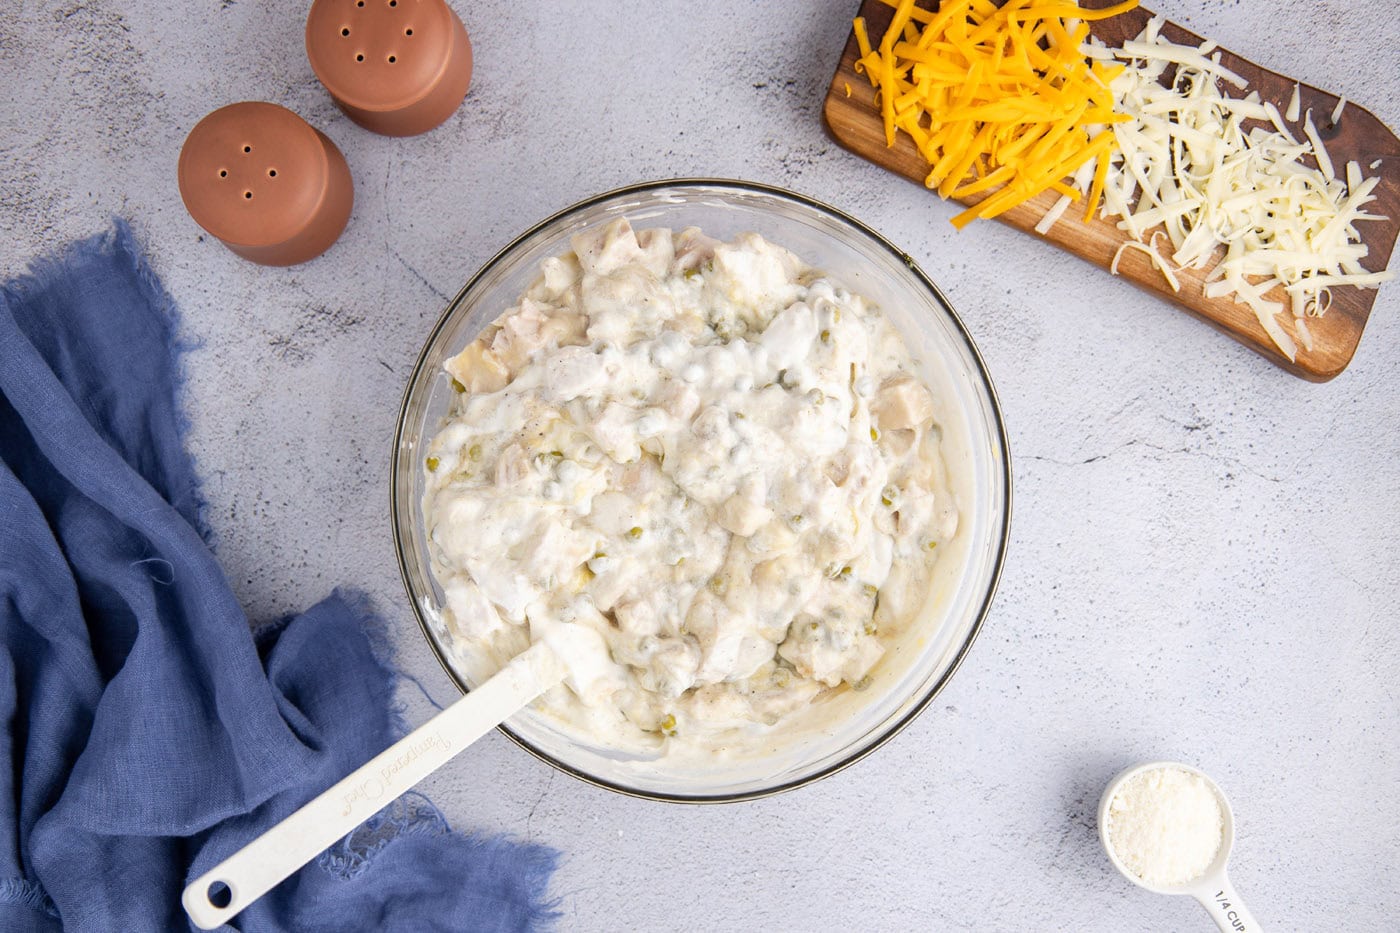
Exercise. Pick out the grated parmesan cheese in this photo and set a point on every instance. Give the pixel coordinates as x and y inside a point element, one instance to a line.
<point>1166,825</point>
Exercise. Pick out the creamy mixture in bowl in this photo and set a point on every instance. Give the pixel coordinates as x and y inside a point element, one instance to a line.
<point>752,484</point>
<point>705,471</point>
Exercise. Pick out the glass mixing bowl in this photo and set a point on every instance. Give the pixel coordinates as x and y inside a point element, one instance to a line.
<point>844,725</point>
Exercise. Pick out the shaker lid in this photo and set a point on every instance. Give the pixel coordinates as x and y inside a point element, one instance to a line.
<point>262,180</point>
<point>253,173</point>
<point>379,54</point>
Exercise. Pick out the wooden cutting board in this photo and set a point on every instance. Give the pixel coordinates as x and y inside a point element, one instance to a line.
<point>855,122</point>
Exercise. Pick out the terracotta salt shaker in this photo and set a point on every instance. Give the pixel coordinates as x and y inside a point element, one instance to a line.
<point>397,67</point>
<point>274,189</point>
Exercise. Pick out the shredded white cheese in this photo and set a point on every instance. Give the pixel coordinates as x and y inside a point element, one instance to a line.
<point>1232,195</point>
<point>1082,178</point>
<point>1151,250</point>
<point>1324,161</point>
<point>1056,211</point>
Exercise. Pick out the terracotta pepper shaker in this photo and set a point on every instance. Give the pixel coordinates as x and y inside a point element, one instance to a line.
<point>274,189</point>
<point>397,67</point>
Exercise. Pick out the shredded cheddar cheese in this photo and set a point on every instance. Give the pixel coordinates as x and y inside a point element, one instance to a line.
<point>998,99</point>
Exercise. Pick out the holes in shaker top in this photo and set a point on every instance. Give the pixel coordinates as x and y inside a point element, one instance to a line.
<point>408,32</point>
<point>360,57</point>
<point>392,59</point>
<point>223,173</point>
<point>272,173</point>
<point>247,148</point>
<point>345,31</point>
<point>248,195</point>
<point>393,2</point>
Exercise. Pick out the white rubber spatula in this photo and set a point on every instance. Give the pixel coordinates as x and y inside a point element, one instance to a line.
<point>219,894</point>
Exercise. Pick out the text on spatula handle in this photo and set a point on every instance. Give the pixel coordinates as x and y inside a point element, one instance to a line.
<point>376,786</point>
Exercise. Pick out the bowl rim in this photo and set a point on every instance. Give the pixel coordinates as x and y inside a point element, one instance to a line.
<point>1003,538</point>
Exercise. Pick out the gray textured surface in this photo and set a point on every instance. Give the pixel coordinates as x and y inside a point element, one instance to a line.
<point>1205,557</point>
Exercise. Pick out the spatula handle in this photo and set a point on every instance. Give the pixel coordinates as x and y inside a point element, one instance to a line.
<point>248,874</point>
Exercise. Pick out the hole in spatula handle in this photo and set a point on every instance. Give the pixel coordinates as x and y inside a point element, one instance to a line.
<point>220,894</point>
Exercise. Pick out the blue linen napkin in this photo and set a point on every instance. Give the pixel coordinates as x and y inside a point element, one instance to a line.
<point>147,736</point>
